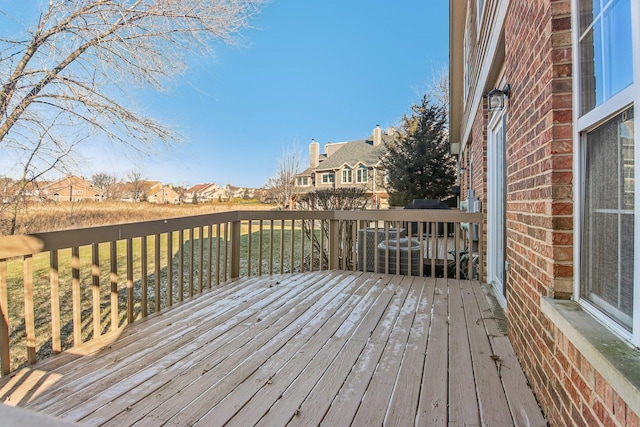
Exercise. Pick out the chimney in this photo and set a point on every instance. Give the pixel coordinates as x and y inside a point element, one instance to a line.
<point>391,131</point>
<point>314,154</point>
<point>377,136</point>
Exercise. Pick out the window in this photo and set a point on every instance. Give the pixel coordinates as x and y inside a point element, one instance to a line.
<point>479,15</point>
<point>605,39</point>
<point>328,178</point>
<point>303,181</point>
<point>467,54</point>
<point>608,218</point>
<point>606,128</point>
<point>346,175</point>
<point>362,175</point>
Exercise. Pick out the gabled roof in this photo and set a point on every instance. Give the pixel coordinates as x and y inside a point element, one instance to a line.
<point>354,153</point>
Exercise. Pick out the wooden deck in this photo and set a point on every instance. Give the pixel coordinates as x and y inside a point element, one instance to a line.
<point>333,348</point>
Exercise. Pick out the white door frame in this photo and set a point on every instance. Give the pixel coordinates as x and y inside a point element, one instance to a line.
<point>496,205</point>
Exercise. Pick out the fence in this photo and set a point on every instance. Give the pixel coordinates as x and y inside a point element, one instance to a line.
<point>61,289</point>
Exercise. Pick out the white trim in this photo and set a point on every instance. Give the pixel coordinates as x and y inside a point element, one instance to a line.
<point>483,76</point>
<point>496,124</point>
<point>635,48</point>
<point>606,110</point>
<point>480,17</point>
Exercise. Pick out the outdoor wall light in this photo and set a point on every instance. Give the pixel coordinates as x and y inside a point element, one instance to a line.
<point>496,97</point>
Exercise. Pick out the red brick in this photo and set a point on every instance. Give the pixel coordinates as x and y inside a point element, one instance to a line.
<point>620,410</point>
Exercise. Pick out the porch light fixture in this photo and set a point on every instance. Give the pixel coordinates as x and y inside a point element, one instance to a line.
<point>496,97</point>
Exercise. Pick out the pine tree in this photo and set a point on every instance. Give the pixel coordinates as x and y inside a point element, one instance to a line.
<point>418,163</point>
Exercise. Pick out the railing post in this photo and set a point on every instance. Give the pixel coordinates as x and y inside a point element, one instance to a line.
<point>235,249</point>
<point>5,356</point>
<point>334,243</point>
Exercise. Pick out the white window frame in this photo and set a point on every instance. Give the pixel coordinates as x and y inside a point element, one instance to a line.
<point>597,116</point>
<point>466,54</point>
<point>480,6</point>
<point>328,178</point>
<point>347,171</point>
<point>359,175</point>
<point>496,124</point>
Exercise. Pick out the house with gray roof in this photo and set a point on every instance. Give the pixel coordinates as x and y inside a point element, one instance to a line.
<point>348,164</point>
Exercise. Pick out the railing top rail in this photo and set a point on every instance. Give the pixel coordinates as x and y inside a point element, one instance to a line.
<point>12,246</point>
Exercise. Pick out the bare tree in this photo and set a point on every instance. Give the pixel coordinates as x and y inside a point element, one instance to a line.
<point>106,182</point>
<point>135,181</point>
<point>32,168</point>
<point>281,186</point>
<point>69,75</point>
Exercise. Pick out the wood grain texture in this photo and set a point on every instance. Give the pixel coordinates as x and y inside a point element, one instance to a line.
<point>320,348</point>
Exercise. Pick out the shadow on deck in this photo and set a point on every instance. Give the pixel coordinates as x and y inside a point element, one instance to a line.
<point>331,347</point>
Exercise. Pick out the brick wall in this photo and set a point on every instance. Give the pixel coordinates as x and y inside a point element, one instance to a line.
<point>539,162</point>
<point>539,193</point>
<point>540,215</point>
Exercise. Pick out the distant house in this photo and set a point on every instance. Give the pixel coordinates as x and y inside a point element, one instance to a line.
<point>163,194</point>
<point>203,193</point>
<point>71,188</point>
<point>348,164</point>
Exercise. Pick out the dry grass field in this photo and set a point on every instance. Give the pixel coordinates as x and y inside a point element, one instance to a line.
<point>51,216</point>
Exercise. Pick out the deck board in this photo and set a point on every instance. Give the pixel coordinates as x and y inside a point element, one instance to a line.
<point>320,348</point>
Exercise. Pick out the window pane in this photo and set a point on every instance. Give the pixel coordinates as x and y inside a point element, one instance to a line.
<point>588,73</point>
<point>617,48</point>
<point>607,247</point>
<point>589,9</point>
<point>605,51</point>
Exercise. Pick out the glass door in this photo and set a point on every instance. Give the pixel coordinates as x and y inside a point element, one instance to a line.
<point>496,212</point>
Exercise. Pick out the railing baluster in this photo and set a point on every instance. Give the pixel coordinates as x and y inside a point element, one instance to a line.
<point>312,234</point>
<point>29,316</point>
<point>130,300</point>
<point>445,248</point>
<point>157,271</point>
<point>260,248</point>
<point>115,309</point>
<point>301,246</point>
<point>293,244</point>
<point>192,238</point>
<point>54,282</point>
<point>409,253</point>
<point>75,296</point>
<point>420,228</point>
<point>210,256</point>
<point>201,259</point>
<point>376,238</point>
<point>5,352</point>
<point>386,245</point>
<point>95,289</point>
<point>170,269</point>
<point>323,226</point>
<point>334,237</point>
<point>180,265</point>
<point>457,248</point>
<point>143,281</point>
<point>226,252</point>
<point>271,248</point>
<point>249,241</point>
<point>281,246</point>
<point>218,247</point>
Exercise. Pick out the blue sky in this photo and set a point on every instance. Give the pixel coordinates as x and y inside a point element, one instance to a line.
<point>324,69</point>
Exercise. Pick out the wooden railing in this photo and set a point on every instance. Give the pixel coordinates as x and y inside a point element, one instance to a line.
<point>61,289</point>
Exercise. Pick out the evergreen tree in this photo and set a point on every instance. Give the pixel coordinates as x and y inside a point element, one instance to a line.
<point>418,163</point>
